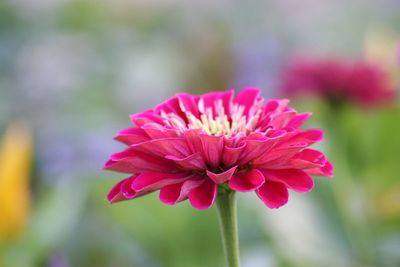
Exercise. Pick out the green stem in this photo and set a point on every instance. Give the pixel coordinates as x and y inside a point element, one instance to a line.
<point>226,206</point>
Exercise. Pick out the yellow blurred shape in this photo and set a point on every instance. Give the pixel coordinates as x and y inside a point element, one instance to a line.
<point>15,164</point>
<point>387,204</point>
<point>382,47</point>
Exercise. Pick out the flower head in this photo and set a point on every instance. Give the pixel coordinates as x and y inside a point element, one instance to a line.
<point>190,146</point>
<point>338,80</point>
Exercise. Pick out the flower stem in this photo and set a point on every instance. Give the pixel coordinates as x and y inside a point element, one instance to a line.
<point>226,206</point>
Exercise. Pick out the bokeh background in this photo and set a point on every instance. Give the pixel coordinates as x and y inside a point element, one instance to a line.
<point>71,71</point>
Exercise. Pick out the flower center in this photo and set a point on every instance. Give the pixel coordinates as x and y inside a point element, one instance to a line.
<point>217,121</point>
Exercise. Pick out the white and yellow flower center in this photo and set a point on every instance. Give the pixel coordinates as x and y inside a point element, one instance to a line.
<point>220,124</point>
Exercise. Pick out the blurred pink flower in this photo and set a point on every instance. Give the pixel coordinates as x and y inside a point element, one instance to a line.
<point>189,147</point>
<point>338,80</point>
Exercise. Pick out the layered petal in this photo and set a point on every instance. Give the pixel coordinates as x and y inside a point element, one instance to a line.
<point>131,161</point>
<point>192,162</point>
<point>132,136</point>
<point>171,106</point>
<point>161,147</point>
<point>188,104</point>
<point>150,181</point>
<point>247,98</point>
<point>306,137</point>
<point>203,196</point>
<point>231,155</point>
<point>247,181</point>
<point>210,101</point>
<point>220,178</point>
<point>294,179</point>
<point>115,194</point>
<point>277,158</point>
<point>281,120</point>
<point>193,140</point>
<point>140,119</point>
<point>308,158</point>
<point>123,191</point>
<point>273,194</point>
<point>311,161</point>
<point>121,166</point>
<point>298,120</point>
<point>325,170</point>
<point>172,194</point>
<point>258,147</point>
<point>212,148</point>
<point>156,131</point>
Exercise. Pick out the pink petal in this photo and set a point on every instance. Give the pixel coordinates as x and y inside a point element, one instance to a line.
<point>273,194</point>
<point>188,103</point>
<point>140,119</point>
<point>123,191</point>
<point>192,162</point>
<point>123,154</point>
<point>212,148</point>
<point>313,162</point>
<point>115,194</point>
<point>231,155</point>
<point>276,105</point>
<point>280,120</point>
<point>313,135</point>
<point>308,158</point>
<point>253,149</point>
<point>209,100</point>
<point>126,188</point>
<point>220,178</point>
<point>156,131</point>
<point>131,136</point>
<point>226,97</point>
<point>131,161</point>
<point>161,147</point>
<point>258,148</point>
<point>276,158</point>
<point>247,98</point>
<point>171,106</point>
<point>307,137</point>
<point>235,141</point>
<point>119,166</point>
<point>271,105</point>
<point>325,170</point>
<point>150,181</point>
<point>247,181</point>
<point>294,179</point>
<point>193,141</point>
<point>203,196</point>
<point>172,194</point>
<point>298,120</point>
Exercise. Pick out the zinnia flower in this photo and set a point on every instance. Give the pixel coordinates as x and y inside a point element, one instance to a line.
<point>338,80</point>
<point>189,147</point>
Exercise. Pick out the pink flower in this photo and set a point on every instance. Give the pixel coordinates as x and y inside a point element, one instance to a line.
<point>189,147</point>
<point>338,80</point>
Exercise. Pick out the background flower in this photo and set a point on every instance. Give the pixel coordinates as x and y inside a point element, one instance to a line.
<point>15,165</point>
<point>338,80</point>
